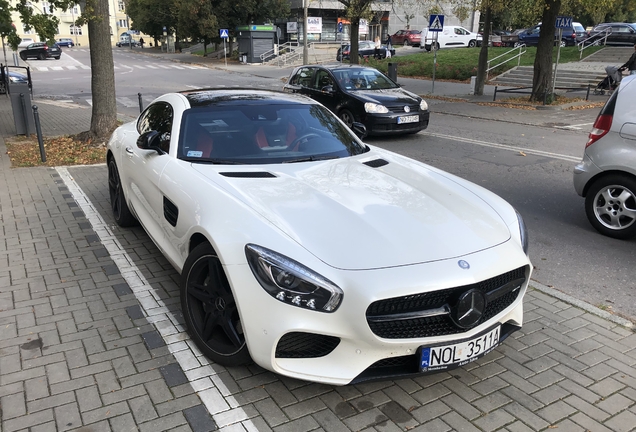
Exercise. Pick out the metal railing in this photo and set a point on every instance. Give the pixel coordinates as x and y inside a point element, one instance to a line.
<point>522,50</point>
<point>279,51</point>
<point>593,41</point>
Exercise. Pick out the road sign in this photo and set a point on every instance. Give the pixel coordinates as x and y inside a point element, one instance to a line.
<point>563,22</point>
<point>223,33</point>
<point>436,23</point>
<point>340,27</point>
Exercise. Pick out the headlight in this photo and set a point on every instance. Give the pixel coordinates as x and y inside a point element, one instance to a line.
<point>375,108</point>
<point>291,282</point>
<point>523,231</point>
<point>423,105</point>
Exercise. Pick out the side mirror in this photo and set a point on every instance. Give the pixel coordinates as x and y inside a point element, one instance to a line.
<point>359,129</point>
<point>150,141</point>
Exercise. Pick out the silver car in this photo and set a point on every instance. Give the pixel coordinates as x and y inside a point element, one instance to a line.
<point>606,176</point>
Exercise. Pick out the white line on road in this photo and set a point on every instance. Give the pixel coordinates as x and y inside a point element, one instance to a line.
<point>127,102</point>
<point>576,126</point>
<point>506,147</point>
<point>204,377</point>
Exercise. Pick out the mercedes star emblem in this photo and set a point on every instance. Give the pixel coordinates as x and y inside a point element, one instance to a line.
<point>463,264</point>
<point>470,308</point>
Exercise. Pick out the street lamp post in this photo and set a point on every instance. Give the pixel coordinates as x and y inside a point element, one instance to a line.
<point>305,50</point>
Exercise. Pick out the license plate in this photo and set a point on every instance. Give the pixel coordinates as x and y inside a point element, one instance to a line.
<point>408,119</point>
<point>450,356</point>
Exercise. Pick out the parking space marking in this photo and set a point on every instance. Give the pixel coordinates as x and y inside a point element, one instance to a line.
<point>576,126</point>
<point>200,372</point>
<point>506,147</point>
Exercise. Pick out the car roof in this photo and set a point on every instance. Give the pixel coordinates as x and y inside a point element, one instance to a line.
<point>334,66</point>
<point>242,96</point>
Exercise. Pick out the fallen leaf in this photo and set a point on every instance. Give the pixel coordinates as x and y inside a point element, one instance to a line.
<point>522,153</point>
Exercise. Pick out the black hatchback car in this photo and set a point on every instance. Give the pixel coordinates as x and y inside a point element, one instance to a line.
<point>617,34</point>
<point>362,94</point>
<point>41,51</point>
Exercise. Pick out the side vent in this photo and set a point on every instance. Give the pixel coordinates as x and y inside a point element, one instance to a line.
<point>170,211</point>
<point>376,163</point>
<point>248,174</point>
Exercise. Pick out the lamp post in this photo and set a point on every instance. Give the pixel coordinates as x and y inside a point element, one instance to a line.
<point>305,49</point>
<point>74,25</point>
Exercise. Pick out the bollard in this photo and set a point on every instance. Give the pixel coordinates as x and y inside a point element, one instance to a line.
<point>141,103</point>
<point>38,131</point>
<point>587,95</point>
<point>494,97</point>
<point>393,71</point>
<point>27,132</point>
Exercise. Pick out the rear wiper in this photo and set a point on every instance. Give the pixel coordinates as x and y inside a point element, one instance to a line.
<point>311,159</point>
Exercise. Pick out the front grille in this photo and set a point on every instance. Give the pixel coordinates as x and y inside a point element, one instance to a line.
<point>305,345</point>
<point>439,325</point>
<point>400,108</point>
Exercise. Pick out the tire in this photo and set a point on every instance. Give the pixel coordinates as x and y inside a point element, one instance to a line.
<point>209,309</point>
<point>406,43</point>
<point>347,117</point>
<point>437,46</point>
<point>57,58</point>
<point>23,57</point>
<point>610,206</point>
<point>41,56</point>
<point>472,44</point>
<point>121,212</point>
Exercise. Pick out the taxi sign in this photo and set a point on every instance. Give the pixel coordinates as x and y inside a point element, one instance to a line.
<point>563,22</point>
<point>436,23</point>
<point>224,34</point>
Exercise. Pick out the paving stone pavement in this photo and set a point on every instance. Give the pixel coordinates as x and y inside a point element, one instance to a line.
<point>92,339</point>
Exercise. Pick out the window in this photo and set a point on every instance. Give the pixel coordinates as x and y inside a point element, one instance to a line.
<point>322,79</point>
<point>47,8</point>
<point>122,23</point>
<point>302,77</point>
<point>121,5</point>
<point>157,117</point>
<point>75,30</point>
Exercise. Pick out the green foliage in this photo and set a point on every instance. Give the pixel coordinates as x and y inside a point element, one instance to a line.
<point>461,63</point>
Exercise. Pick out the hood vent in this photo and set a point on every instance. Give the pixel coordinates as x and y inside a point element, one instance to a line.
<point>376,163</point>
<point>248,174</point>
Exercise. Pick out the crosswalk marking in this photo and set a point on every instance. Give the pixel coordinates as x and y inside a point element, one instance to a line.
<point>120,67</point>
<point>177,67</point>
<point>127,102</point>
<point>57,68</point>
<point>152,67</point>
<point>71,67</point>
<point>140,67</point>
<point>85,67</point>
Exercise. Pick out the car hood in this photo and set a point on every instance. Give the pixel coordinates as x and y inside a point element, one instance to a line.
<point>353,216</point>
<point>387,97</point>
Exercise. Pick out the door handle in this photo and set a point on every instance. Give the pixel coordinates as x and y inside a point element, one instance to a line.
<point>129,150</point>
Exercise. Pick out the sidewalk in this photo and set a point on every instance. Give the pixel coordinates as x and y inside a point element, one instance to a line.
<point>92,337</point>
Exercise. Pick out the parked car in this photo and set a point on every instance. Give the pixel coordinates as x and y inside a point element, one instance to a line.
<point>41,51</point>
<point>606,176</point>
<point>135,43</point>
<point>406,38</point>
<point>66,42</point>
<point>25,42</point>
<point>530,37</point>
<point>618,34</point>
<point>299,245</point>
<point>362,94</point>
<point>365,49</point>
<point>450,37</point>
<point>581,33</point>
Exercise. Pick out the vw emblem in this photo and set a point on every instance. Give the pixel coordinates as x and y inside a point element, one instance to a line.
<point>463,264</point>
<point>407,108</point>
<point>469,309</point>
<point>219,303</point>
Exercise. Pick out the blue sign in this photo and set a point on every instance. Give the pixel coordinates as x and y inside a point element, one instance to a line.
<point>340,27</point>
<point>436,23</point>
<point>223,33</point>
<point>563,22</point>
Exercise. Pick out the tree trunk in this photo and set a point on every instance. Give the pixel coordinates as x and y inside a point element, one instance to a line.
<point>542,79</point>
<point>355,35</point>
<point>482,64</point>
<point>104,113</point>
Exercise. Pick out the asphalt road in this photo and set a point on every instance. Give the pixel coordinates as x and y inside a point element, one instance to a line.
<point>530,166</point>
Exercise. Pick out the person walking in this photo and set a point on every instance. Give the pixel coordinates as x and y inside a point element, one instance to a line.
<point>377,47</point>
<point>389,46</point>
<point>631,63</point>
<point>141,42</point>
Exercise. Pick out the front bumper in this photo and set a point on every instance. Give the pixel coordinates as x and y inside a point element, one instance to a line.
<point>342,346</point>
<point>387,124</point>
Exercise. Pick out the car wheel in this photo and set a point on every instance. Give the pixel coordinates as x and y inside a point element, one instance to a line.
<point>563,43</point>
<point>518,44</point>
<point>610,206</point>
<point>406,43</point>
<point>57,58</point>
<point>436,46</point>
<point>472,43</point>
<point>346,116</point>
<point>23,57</point>
<point>41,56</point>
<point>121,212</point>
<point>210,310</point>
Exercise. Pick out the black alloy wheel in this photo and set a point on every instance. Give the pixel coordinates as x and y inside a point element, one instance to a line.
<point>210,310</point>
<point>121,212</point>
<point>346,116</point>
<point>41,56</point>
<point>472,43</point>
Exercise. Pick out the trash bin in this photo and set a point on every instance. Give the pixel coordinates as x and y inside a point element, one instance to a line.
<point>21,105</point>
<point>393,71</point>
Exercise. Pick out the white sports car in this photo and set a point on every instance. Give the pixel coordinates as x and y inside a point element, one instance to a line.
<point>315,255</point>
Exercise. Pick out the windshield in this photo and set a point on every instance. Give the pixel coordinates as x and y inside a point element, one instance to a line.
<point>264,134</point>
<point>578,28</point>
<point>363,79</point>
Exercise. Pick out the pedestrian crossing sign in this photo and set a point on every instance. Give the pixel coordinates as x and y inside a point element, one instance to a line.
<point>223,33</point>
<point>436,23</point>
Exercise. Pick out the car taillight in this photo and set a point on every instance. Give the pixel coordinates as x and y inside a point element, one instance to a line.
<point>601,127</point>
<point>46,47</point>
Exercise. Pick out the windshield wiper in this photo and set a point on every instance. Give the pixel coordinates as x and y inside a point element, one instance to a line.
<point>311,159</point>
<point>216,161</point>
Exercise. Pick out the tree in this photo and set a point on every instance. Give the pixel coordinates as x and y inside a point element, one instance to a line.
<point>197,21</point>
<point>542,79</point>
<point>151,16</point>
<point>7,29</point>
<point>95,14</point>
<point>356,10</point>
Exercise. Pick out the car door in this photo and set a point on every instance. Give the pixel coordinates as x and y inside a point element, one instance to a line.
<point>300,82</point>
<point>143,168</point>
<point>461,37</point>
<point>324,89</point>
